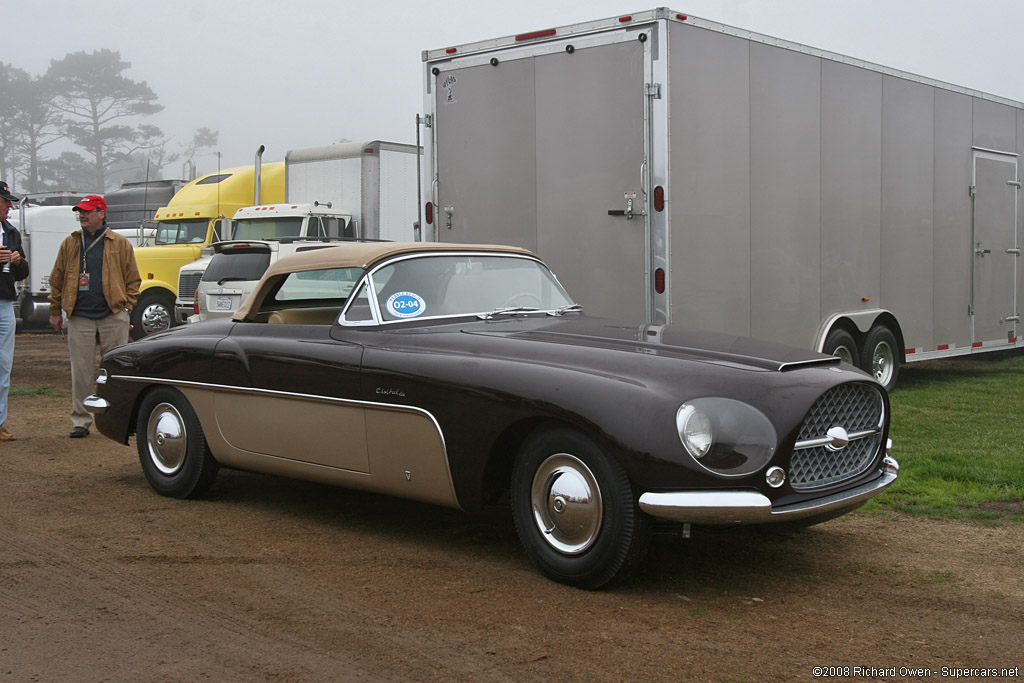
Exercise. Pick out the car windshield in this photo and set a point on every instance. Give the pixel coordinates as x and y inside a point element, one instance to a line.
<point>182,232</point>
<point>267,228</point>
<point>454,285</point>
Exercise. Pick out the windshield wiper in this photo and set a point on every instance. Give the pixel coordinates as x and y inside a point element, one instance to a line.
<point>565,309</point>
<point>510,309</point>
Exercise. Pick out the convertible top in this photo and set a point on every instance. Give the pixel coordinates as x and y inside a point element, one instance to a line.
<point>356,255</point>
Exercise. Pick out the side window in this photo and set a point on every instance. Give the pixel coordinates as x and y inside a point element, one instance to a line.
<point>359,308</point>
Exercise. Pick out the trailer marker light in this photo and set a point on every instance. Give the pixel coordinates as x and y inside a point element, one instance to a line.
<point>865,299</point>
<point>450,51</point>
<point>659,280</point>
<point>535,34</point>
<point>976,345</point>
<point>623,20</point>
<point>659,198</point>
<point>681,17</point>
<point>910,351</point>
<point>428,213</point>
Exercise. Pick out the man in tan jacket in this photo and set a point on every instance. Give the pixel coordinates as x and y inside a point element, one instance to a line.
<point>95,281</point>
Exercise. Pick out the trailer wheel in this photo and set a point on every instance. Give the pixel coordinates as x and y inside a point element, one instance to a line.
<point>879,358</point>
<point>153,313</point>
<point>841,343</point>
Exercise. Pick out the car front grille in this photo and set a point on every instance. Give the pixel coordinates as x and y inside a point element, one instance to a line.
<point>820,458</point>
<point>187,284</point>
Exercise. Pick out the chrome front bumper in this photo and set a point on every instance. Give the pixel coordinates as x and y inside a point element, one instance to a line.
<point>94,404</point>
<point>751,507</point>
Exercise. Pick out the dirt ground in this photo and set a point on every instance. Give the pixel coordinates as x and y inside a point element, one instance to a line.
<point>101,579</point>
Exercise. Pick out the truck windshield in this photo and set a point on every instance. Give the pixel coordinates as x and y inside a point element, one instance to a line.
<point>267,228</point>
<point>182,232</point>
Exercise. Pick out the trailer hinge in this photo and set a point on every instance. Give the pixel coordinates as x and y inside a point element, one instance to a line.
<point>653,90</point>
<point>974,191</point>
<point>970,309</point>
<point>426,121</point>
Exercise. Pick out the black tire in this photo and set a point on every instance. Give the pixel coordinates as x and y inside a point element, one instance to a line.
<point>172,447</point>
<point>880,357</point>
<point>593,540</point>
<point>841,343</point>
<point>153,313</point>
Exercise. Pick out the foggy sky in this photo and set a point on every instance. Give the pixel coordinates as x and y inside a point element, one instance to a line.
<point>302,73</point>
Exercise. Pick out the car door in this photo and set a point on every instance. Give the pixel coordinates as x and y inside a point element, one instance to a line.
<point>291,391</point>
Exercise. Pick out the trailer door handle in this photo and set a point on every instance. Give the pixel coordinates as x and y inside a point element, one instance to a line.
<point>1015,252</point>
<point>981,252</point>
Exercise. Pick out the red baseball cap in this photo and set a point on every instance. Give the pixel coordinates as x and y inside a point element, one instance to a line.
<point>91,202</point>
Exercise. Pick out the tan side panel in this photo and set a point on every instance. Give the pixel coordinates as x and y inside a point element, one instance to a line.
<point>321,432</point>
<point>403,442</point>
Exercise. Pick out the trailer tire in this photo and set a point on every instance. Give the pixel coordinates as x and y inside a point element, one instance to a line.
<point>841,344</point>
<point>880,358</point>
<point>153,313</point>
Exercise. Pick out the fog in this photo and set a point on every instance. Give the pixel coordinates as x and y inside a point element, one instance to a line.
<point>303,73</point>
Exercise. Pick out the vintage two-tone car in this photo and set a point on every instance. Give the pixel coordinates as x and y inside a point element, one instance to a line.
<point>466,376</point>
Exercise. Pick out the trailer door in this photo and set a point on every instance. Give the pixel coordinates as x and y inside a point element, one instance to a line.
<point>537,149</point>
<point>996,186</point>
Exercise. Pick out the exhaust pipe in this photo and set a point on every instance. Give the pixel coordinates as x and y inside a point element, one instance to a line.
<point>257,180</point>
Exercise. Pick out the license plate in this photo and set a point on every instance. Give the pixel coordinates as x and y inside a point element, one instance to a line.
<point>223,303</point>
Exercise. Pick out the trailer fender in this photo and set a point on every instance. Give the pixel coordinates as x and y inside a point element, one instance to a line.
<point>859,324</point>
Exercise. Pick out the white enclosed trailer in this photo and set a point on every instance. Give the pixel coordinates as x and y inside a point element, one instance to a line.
<point>680,170</point>
<point>373,181</point>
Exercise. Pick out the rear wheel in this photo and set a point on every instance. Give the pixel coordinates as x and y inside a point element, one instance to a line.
<point>879,358</point>
<point>153,313</point>
<point>575,511</point>
<point>172,446</point>
<point>841,343</point>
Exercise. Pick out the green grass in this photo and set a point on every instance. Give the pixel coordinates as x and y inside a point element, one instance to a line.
<point>34,391</point>
<point>958,434</point>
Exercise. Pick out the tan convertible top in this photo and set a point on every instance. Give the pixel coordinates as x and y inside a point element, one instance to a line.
<point>355,255</point>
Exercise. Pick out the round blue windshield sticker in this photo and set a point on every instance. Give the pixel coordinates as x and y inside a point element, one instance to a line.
<point>406,305</point>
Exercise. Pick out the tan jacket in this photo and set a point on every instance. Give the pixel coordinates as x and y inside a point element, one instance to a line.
<point>121,277</point>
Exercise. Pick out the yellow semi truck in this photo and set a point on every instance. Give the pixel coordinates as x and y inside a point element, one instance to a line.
<point>191,220</point>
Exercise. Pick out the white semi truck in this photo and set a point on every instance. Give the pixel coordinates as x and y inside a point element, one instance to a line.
<point>679,170</point>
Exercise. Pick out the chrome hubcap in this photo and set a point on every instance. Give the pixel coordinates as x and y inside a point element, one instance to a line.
<point>155,318</point>
<point>882,363</point>
<point>166,439</point>
<point>567,506</point>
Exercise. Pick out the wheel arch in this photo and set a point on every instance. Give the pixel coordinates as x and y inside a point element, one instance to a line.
<point>859,324</point>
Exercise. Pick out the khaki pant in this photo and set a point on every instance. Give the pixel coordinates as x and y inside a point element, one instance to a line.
<point>83,336</point>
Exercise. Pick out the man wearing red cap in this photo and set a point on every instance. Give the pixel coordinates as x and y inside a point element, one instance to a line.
<point>13,267</point>
<point>95,281</point>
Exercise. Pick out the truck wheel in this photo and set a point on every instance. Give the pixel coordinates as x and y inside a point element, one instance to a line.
<point>879,358</point>
<point>172,446</point>
<point>575,511</point>
<point>841,343</point>
<point>153,313</point>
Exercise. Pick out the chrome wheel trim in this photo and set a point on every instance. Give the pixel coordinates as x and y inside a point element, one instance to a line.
<point>845,354</point>
<point>166,439</point>
<point>155,318</point>
<point>883,363</point>
<point>567,505</point>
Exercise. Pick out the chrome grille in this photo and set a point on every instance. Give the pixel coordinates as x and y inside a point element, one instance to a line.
<point>188,281</point>
<point>818,460</point>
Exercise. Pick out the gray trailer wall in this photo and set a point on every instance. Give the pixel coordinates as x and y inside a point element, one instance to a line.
<point>801,187</point>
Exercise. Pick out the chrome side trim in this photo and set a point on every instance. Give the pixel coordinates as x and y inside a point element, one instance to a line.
<point>95,404</point>
<point>751,507</point>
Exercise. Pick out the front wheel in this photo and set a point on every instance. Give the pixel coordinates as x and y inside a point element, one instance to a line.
<point>575,511</point>
<point>153,313</point>
<point>879,357</point>
<point>172,446</point>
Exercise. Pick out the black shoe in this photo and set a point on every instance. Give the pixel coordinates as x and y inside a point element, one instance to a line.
<point>79,432</point>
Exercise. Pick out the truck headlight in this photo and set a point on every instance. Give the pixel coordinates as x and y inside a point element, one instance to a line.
<point>726,437</point>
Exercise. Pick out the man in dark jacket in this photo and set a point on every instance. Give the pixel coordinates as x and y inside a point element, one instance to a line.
<point>13,267</point>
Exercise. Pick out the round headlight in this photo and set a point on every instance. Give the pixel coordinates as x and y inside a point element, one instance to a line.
<point>695,431</point>
<point>728,438</point>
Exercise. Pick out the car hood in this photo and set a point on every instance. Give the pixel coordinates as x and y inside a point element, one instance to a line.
<point>661,340</point>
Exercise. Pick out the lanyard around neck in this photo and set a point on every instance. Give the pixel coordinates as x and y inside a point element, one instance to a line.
<point>96,240</point>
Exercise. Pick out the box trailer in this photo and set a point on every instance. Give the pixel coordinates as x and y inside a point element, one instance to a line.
<point>684,171</point>
<point>373,181</point>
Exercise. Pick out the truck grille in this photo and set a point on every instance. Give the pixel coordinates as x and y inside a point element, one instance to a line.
<point>819,460</point>
<point>188,281</point>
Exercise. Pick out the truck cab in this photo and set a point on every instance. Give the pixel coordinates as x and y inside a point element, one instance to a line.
<point>191,220</point>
